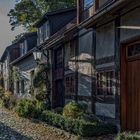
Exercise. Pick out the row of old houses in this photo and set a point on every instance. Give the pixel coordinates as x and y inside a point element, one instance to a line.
<point>94,56</point>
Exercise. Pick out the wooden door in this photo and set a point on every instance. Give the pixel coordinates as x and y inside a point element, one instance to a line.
<point>59,93</point>
<point>130,87</point>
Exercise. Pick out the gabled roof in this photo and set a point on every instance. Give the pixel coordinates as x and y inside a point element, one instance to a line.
<point>48,14</point>
<point>25,35</point>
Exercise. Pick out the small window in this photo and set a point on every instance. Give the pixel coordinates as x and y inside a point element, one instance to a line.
<point>88,3</point>
<point>23,48</point>
<point>110,83</point>
<point>70,85</point>
<point>72,48</point>
<point>105,83</point>
<point>88,10</point>
<point>46,30</point>
<point>17,87</point>
<point>22,86</point>
<point>58,58</point>
<point>100,83</point>
<point>133,50</point>
<point>41,34</point>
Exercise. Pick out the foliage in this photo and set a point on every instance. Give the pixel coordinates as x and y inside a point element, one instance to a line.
<point>41,96</point>
<point>79,127</point>
<point>25,108</point>
<point>41,84</point>
<point>73,110</point>
<point>27,12</point>
<point>39,81</point>
<point>1,92</point>
<point>13,74</point>
<point>128,136</point>
<point>9,100</point>
<point>30,108</point>
<point>1,81</point>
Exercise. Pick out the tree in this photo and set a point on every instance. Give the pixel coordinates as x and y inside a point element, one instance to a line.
<point>27,12</point>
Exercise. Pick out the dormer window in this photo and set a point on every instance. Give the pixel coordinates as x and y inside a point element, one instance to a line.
<point>23,47</point>
<point>43,32</point>
<point>88,3</point>
<point>47,30</point>
<point>88,9</point>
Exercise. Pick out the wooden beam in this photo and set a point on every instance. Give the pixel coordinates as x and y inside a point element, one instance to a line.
<point>80,7</point>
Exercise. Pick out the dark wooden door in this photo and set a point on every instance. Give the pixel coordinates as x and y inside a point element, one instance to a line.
<point>59,93</point>
<point>130,101</point>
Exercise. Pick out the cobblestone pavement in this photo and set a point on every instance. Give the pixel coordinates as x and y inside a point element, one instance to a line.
<point>13,127</point>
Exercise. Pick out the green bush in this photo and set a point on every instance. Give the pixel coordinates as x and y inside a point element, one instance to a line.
<point>73,110</point>
<point>76,126</point>
<point>29,108</point>
<point>128,136</point>
<point>25,108</point>
<point>40,96</point>
<point>9,100</point>
<point>1,92</point>
<point>39,107</point>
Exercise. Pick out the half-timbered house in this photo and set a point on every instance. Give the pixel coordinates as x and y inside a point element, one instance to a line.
<point>115,62</point>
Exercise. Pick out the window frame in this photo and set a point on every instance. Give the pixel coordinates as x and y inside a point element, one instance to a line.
<point>105,86</point>
<point>46,30</point>
<point>70,84</point>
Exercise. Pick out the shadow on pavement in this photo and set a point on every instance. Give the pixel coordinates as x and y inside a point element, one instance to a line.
<point>7,133</point>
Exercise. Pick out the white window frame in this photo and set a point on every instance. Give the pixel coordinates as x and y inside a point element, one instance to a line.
<point>41,36</point>
<point>46,30</point>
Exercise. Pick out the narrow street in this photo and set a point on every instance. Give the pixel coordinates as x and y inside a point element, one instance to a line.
<point>13,127</point>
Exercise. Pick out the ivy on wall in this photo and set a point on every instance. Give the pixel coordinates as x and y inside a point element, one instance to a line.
<point>41,84</point>
<point>39,77</point>
<point>13,76</point>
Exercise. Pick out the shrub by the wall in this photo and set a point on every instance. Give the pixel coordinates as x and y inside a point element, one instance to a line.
<point>9,100</point>
<point>73,110</point>
<point>29,108</point>
<point>76,126</point>
<point>25,108</point>
<point>1,92</point>
<point>128,136</point>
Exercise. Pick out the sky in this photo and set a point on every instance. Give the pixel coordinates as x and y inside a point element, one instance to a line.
<point>6,35</point>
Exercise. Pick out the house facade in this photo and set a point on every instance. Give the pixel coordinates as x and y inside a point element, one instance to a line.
<point>94,58</point>
<point>115,41</point>
<point>90,61</point>
<point>24,65</point>
<point>56,24</point>
<point>11,52</point>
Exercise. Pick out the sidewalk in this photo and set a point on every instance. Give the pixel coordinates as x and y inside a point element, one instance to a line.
<point>13,127</point>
